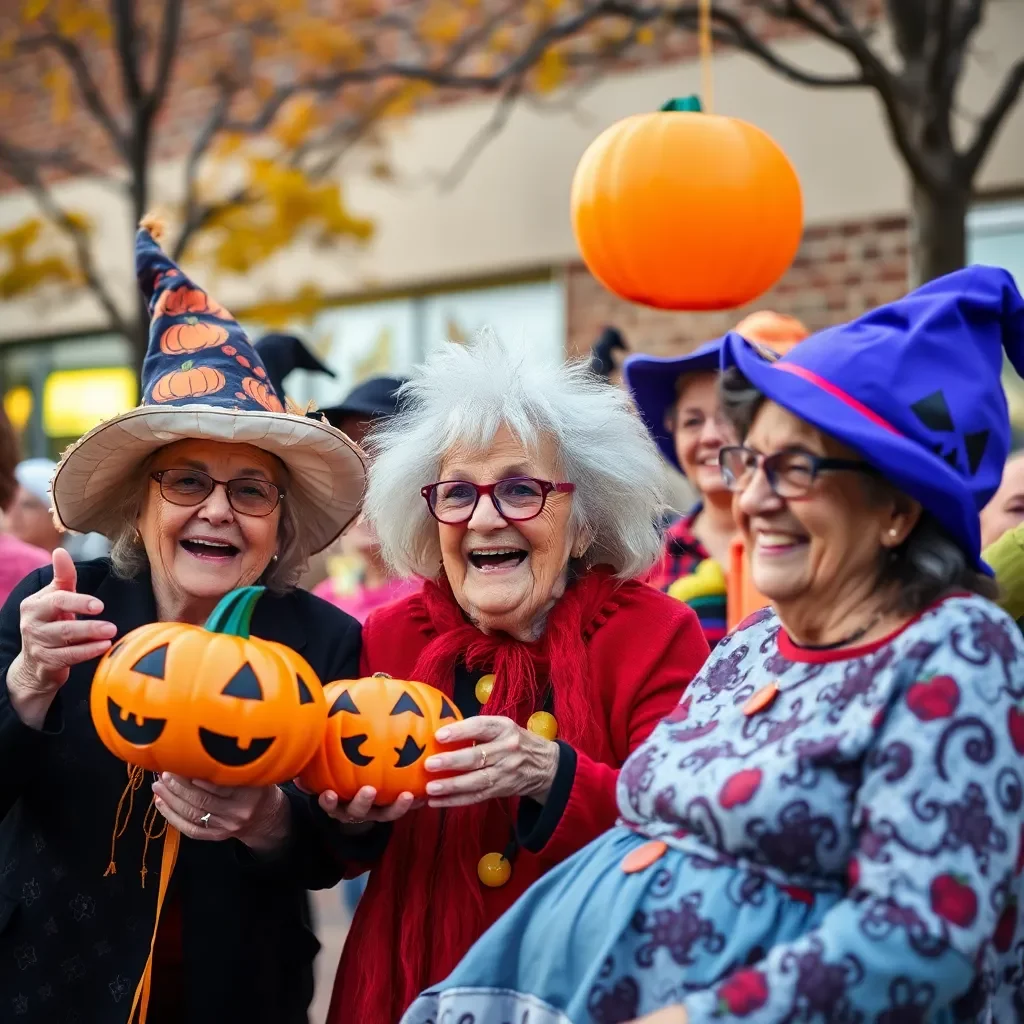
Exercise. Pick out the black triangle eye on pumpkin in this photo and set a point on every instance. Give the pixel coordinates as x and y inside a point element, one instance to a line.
<point>380,731</point>
<point>209,702</point>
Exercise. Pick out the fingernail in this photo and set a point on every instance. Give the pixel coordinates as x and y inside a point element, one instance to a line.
<point>435,788</point>
<point>95,606</point>
<point>109,630</point>
<point>443,734</point>
<point>157,802</point>
<point>432,764</point>
<point>165,777</point>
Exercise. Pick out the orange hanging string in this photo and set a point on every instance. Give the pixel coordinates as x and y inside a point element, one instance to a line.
<point>135,777</point>
<point>707,87</point>
<point>147,824</point>
<point>168,857</point>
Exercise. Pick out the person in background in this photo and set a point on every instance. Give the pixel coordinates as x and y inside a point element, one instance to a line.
<point>30,518</point>
<point>678,400</point>
<point>829,828</point>
<point>602,358</point>
<point>1006,509</point>
<point>17,558</point>
<point>360,580</point>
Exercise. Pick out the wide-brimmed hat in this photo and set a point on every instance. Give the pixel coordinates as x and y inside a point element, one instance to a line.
<point>915,387</point>
<point>203,379</point>
<point>654,380</point>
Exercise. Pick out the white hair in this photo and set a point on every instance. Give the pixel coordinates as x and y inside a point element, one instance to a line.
<point>462,396</point>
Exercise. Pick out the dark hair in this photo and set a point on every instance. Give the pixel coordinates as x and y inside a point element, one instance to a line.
<point>926,566</point>
<point>10,456</point>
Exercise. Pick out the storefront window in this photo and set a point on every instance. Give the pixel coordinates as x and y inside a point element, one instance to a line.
<point>390,337</point>
<point>55,391</point>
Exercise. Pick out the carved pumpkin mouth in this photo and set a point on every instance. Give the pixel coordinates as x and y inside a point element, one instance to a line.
<point>228,751</point>
<point>139,732</point>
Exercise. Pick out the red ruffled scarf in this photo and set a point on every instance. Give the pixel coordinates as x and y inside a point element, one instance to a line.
<point>428,872</point>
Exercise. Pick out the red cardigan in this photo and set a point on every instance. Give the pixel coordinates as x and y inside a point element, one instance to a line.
<point>643,651</point>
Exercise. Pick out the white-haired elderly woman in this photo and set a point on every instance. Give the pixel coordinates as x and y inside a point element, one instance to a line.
<point>527,496</point>
<point>201,491</point>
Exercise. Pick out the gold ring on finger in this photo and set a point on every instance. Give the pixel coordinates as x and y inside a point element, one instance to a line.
<point>483,758</point>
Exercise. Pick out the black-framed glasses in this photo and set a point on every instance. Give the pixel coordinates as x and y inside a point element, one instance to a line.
<point>790,474</point>
<point>248,496</point>
<point>517,498</point>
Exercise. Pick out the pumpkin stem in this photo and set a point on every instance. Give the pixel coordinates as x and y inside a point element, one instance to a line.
<point>233,613</point>
<point>686,104</point>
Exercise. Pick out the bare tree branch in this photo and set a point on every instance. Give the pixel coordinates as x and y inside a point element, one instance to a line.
<point>170,33</point>
<point>1005,98</point>
<point>195,215</point>
<point>491,129</point>
<point>73,57</point>
<point>122,16</point>
<point>60,159</point>
<point>27,175</point>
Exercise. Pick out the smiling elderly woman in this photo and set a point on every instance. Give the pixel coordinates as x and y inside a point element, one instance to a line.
<point>200,494</point>
<point>830,826</point>
<point>527,496</point>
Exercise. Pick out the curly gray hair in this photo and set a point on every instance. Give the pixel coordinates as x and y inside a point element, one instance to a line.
<point>462,395</point>
<point>128,556</point>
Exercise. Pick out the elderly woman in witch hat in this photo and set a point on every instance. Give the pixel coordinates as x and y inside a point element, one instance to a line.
<point>830,826</point>
<point>526,496</point>
<point>208,485</point>
<point>678,400</point>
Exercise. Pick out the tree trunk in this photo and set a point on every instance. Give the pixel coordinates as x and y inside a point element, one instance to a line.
<point>938,233</point>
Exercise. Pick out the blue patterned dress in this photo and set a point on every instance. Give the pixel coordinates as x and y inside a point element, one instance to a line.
<point>852,853</point>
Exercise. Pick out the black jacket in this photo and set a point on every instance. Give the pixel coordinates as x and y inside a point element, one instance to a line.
<point>73,943</point>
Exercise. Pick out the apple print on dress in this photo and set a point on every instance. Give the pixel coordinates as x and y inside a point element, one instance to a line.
<point>953,899</point>
<point>938,697</point>
<point>745,992</point>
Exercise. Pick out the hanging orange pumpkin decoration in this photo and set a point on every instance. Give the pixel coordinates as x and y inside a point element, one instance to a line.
<point>190,381</point>
<point>209,702</point>
<point>380,732</point>
<point>685,210</point>
<point>191,336</point>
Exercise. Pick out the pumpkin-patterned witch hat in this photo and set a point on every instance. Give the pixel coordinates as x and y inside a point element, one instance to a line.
<point>202,378</point>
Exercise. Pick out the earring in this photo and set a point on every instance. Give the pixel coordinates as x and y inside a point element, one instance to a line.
<point>892,532</point>
<point>273,558</point>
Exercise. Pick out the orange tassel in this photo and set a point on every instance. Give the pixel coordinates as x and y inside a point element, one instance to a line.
<point>135,777</point>
<point>155,225</point>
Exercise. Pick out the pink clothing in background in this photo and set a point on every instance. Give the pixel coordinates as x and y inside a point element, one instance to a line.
<point>17,560</point>
<point>363,600</point>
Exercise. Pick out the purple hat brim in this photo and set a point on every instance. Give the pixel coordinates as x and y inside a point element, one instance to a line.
<point>652,382</point>
<point>903,462</point>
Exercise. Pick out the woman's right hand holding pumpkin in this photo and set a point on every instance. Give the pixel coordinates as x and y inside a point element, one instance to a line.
<point>53,639</point>
<point>359,814</point>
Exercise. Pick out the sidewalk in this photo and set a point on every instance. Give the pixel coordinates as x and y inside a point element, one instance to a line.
<point>331,927</point>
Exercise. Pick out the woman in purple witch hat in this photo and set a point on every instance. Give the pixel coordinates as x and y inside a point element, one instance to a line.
<point>207,486</point>
<point>830,826</point>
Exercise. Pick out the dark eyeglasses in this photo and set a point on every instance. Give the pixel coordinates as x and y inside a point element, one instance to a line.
<point>248,496</point>
<point>517,498</point>
<point>790,474</point>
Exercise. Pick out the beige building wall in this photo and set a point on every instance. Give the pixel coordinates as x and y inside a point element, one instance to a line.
<point>510,214</point>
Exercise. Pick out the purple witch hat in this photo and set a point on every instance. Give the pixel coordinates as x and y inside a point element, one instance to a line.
<point>202,378</point>
<point>915,386</point>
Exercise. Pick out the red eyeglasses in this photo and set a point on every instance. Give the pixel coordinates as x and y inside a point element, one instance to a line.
<point>517,498</point>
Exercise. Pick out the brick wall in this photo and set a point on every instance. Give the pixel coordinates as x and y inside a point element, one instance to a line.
<point>840,271</point>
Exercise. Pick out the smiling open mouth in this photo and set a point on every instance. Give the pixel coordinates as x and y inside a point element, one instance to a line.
<point>503,558</point>
<point>133,728</point>
<point>209,549</point>
<point>227,750</point>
